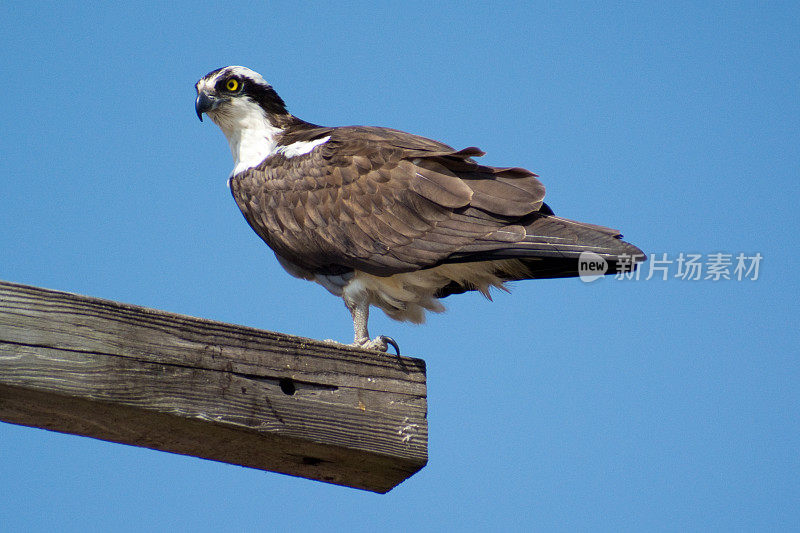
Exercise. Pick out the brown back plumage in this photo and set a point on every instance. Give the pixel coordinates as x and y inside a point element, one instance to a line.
<point>384,202</point>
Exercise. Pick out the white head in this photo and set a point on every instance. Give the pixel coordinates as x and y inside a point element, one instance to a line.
<point>247,109</point>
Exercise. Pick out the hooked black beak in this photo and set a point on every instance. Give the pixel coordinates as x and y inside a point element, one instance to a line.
<point>204,104</point>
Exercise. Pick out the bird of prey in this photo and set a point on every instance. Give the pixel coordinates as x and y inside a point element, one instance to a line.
<point>385,218</point>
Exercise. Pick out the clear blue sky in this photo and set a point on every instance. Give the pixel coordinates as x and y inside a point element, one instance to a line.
<point>615,405</point>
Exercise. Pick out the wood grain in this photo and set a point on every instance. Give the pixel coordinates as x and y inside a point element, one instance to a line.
<point>218,391</point>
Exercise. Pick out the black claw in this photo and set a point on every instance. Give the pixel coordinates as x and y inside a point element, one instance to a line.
<point>391,342</point>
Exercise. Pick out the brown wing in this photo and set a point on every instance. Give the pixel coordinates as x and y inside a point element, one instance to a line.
<point>380,201</point>
<point>384,201</point>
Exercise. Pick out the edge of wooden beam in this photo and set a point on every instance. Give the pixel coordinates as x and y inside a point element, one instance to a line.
<point>198,387</point>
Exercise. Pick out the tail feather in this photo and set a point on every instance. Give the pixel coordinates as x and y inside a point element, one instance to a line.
<point>552,246</point>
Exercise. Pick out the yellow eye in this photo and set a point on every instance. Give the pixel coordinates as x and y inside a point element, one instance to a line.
<point>232,85</point>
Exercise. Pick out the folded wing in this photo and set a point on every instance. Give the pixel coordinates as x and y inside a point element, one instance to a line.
<point>385,202</point>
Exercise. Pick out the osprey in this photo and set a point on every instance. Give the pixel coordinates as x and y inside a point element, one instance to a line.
<point>385,218</point>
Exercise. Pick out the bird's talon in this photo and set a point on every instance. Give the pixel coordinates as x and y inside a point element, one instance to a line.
<point>380,343</point>
<point>388,341</point>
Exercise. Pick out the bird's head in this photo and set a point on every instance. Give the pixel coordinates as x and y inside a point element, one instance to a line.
<point>247,110</point>
<point>234,96</point>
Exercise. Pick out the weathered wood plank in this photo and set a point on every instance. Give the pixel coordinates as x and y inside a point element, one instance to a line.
<point>197,387</point>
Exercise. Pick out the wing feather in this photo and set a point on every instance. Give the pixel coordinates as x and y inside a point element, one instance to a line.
<point>385,202</point>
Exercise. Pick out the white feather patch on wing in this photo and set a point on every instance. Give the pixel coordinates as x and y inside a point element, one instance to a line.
<point>300,147</point>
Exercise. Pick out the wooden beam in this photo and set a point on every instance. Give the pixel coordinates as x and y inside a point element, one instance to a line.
<point>192,386</point>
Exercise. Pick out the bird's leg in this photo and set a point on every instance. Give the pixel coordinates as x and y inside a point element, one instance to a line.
<point>360,313</point>
<point>358,304</point>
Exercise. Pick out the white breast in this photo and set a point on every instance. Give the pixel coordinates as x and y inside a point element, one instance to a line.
<point>251,136</point>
